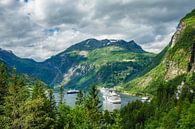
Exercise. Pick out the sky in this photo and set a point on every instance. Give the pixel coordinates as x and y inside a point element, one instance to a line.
<point>38,29</point>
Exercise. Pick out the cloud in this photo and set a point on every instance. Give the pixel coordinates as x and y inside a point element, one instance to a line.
<point>40,28</point>
<point>57,12</point>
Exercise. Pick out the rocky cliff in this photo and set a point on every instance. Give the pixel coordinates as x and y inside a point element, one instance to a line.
<point>177,60</point>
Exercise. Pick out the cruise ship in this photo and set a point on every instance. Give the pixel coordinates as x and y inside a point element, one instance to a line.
<point>105,92</point>
<point>110,95</point>
<point>72,91</point>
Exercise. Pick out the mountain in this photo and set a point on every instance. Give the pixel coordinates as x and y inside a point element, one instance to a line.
<point>27,66</point>
<point>177,59</point>
<point>104,62</point>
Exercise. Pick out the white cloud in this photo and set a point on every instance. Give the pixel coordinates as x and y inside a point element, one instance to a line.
<point>41,28</point>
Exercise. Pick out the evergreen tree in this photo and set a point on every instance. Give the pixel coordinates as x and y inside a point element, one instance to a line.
<point>3,84</point>
<point>93,107</point>
<point>79,118</point>
<point>64,117</point>
<point>61,94</point>
<point>38,90</point>
<point>80,98</point>
<point>107,119</point>
<point>3,93</point>
<point>117,120</point>
<point>51,107</point>
<point>17,95</point>
<point>93,101</point>
<point>34,115</point>
<point>187,118</point>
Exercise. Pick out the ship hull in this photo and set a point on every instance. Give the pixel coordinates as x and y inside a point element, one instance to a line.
<point>72,92</point>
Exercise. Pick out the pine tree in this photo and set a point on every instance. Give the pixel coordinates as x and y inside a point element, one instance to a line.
<point>17,95</point>
<point>38,90</point>
<point>64,116</point>
<point>49,106</point>
<point>79,118</point>
<point>93,101</point>
<point>34,115</point>
<point>107,119</point>
<point>80,98</point>
<point>3,84</point>
<point>187,118</point>
<point>3,93</point>
<point>61,94</point>
<point>51,109</point>
<point>93,107</point>
<point>117,120</point>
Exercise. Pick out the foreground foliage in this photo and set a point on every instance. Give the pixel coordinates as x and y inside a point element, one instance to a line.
<point>165,111</point>
<point>23,108</point>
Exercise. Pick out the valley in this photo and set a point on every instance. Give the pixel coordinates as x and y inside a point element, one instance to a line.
<point>97,83</point>
<point>104,62</point>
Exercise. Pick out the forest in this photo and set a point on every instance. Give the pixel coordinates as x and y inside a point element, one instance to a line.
<point>26,104</point>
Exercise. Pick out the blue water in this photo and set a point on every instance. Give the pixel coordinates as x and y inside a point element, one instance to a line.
<point>70,100</point>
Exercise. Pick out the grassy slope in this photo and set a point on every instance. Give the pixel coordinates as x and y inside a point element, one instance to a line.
<point>112,65</point>
<point>175,61</point>
<point>105,55</point>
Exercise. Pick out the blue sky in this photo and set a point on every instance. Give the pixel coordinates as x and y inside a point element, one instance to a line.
<point>39,29</point>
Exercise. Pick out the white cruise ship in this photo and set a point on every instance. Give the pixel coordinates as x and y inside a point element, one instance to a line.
<point>114,99</point>
<point>110,96</point>
<point>72,91</point>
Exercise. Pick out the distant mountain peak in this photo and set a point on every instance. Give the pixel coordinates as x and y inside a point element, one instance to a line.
<point>91,44</point>
<point>83,57</point>
<point>8,51</point>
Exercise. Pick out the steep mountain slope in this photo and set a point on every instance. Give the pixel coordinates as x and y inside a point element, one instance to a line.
<point>105,62</point>
<point>177,60</point>
<point>98,61</point>
<point>28,66</point>
<point>107,67</point>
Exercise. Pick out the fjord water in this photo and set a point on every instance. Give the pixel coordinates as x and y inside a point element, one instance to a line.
<point>70,100</point>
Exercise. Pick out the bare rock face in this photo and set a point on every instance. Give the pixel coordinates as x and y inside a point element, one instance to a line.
<point>191,66</point>
<point>172,71</point>
<point>175,37</point>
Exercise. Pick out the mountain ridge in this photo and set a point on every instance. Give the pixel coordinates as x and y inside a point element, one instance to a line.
<point>73,57</point>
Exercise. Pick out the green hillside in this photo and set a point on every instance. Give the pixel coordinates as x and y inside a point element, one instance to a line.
<point>104,62</point>
<point>177,60</point>
<point>107,66</point>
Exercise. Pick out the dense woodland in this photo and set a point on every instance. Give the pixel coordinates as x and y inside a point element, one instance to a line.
<point>31,105</point>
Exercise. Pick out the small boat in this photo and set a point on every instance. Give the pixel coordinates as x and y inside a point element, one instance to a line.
<point>145,99</point>
<point>72,91</point>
